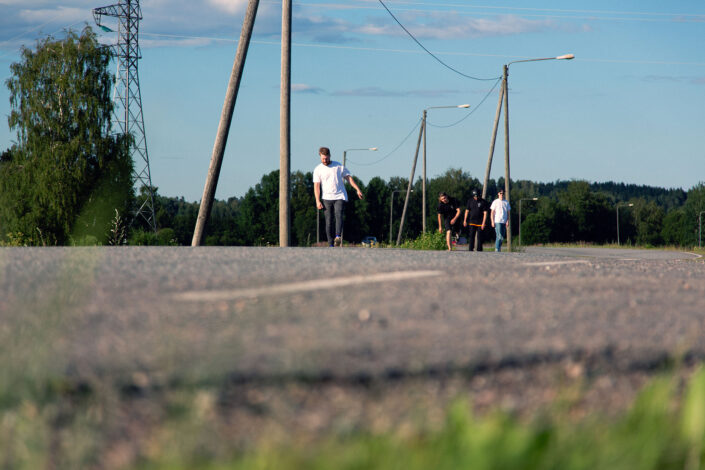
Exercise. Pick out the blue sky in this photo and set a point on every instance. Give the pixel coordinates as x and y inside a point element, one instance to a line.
<point>630,108</point>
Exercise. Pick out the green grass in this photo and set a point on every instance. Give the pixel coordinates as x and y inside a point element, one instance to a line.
<point>663,429</point>
<point>426,241</point>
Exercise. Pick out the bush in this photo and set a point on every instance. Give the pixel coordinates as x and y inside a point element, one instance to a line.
<point>141,237</point>
<point>163,237</point>
<point>427,241</point>
<point>167,237</point>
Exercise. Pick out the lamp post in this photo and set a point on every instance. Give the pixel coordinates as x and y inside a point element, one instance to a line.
<point>505,87</point>
<point>423,180</point>
<point>626,205</point>
<point>525,199</point>
<point>345,152</point>
<point>391,202</point>
<point>700,229</point>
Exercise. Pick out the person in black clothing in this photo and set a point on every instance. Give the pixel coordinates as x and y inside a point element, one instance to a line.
<point>449,209</point>
<point>475,219</point>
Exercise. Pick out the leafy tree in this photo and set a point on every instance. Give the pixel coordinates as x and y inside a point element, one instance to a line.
<point>303,209</point>
<point>676,229</point>
<point>258,219</point>
<point>535,229</point>
<point>591,213</point>
<point>648,220</point>
<point>378,196</point>
<point>67,175</point>
<point>694,205</point>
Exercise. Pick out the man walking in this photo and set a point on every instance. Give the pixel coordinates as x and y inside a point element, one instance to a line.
<point>477,210</point>
<point>448,213</point>
<point>499,216</point>
<point>329,188</point>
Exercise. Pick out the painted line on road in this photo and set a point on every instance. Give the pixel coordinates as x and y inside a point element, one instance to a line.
<point>556,263</point>
<point>305,286</point>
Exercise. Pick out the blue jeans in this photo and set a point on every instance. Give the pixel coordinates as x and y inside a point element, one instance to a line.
<point>333,208</point>
<point>501,231</point>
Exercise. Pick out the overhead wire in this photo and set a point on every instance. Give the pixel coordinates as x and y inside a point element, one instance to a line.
<point>429,52</point>
<point>395,148</point>
<point>563,13</point>
<point>475,108</point>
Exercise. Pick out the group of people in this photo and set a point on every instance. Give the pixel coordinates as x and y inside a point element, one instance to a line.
<point>475,218</point>
<point>329,189</point>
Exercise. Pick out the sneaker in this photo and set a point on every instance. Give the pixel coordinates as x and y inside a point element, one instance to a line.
<point>338,241</point>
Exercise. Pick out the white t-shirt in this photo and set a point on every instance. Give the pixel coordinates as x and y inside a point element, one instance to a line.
<point>501,210</point>
<point>332,179</point>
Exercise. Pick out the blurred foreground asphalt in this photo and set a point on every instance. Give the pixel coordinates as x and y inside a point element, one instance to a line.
<point>266,314</point>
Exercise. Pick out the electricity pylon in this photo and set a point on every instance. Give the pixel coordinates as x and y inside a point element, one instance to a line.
<point>126,94</point>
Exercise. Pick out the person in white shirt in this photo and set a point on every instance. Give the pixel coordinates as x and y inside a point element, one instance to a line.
<point>499,216</point>
<point>329,188</point>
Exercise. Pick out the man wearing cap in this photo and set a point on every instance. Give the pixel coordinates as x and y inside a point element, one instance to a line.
<point>477,211</point>
<point>329,188</point>
<point>449,211</point>
<point>499,216</point>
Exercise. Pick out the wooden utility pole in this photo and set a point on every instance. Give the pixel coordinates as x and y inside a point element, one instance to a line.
<point>492,141</point>
<point>226,118</point>
<point>408,189</point>
<point>423,181</point>
<point>506,155</point>
<point>285,127</point>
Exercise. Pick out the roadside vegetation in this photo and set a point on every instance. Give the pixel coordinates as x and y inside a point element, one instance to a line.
<point>69,181</point>
<point>64,426</point>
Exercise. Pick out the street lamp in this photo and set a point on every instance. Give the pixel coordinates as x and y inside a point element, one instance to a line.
<point>345,152</point>
<point>626,205</point>
<point>526,199</point>
<point>505,87</point>
<point>700,229</point>
<point>423,181</point>
<point>391,201</point>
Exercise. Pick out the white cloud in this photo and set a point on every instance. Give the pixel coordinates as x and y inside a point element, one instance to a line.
<point>303,88</point>
<point>59,14</point>
<point>458,27</point>
<point>229,6</point>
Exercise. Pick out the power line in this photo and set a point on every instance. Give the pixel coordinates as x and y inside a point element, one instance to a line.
<point>395,148</point>
<point>429,52</point>
<point>471,112</point>
<point>670,17</point>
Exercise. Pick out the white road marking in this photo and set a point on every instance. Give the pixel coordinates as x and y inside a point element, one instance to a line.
<point>305,286</point>
<point>556,263</point>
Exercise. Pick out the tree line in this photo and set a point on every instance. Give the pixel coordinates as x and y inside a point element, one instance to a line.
<point>564,212</point>
<point>69,181</point>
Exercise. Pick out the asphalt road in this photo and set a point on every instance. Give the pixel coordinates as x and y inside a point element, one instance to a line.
<point>260,317</point>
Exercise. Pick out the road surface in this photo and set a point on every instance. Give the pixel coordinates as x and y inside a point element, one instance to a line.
<point>353,329</point>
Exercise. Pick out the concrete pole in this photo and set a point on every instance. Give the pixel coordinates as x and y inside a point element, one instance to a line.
<point>506,154</point>
<point>408,189</point>
<point>423,182</point>
<point>285,128</point>
<point>226,117</point>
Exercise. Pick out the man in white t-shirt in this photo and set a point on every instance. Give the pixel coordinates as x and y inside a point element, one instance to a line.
<point>329,187</point>
<point>499,216</point>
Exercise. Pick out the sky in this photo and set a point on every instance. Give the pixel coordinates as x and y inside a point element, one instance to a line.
<point>629,108</point>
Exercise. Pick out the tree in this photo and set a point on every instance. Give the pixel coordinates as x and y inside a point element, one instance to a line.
<point>258,220</point>
<point>591,214</point>
<point>648,221</point>
<point>67,174</point>
<point>303,209</point>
